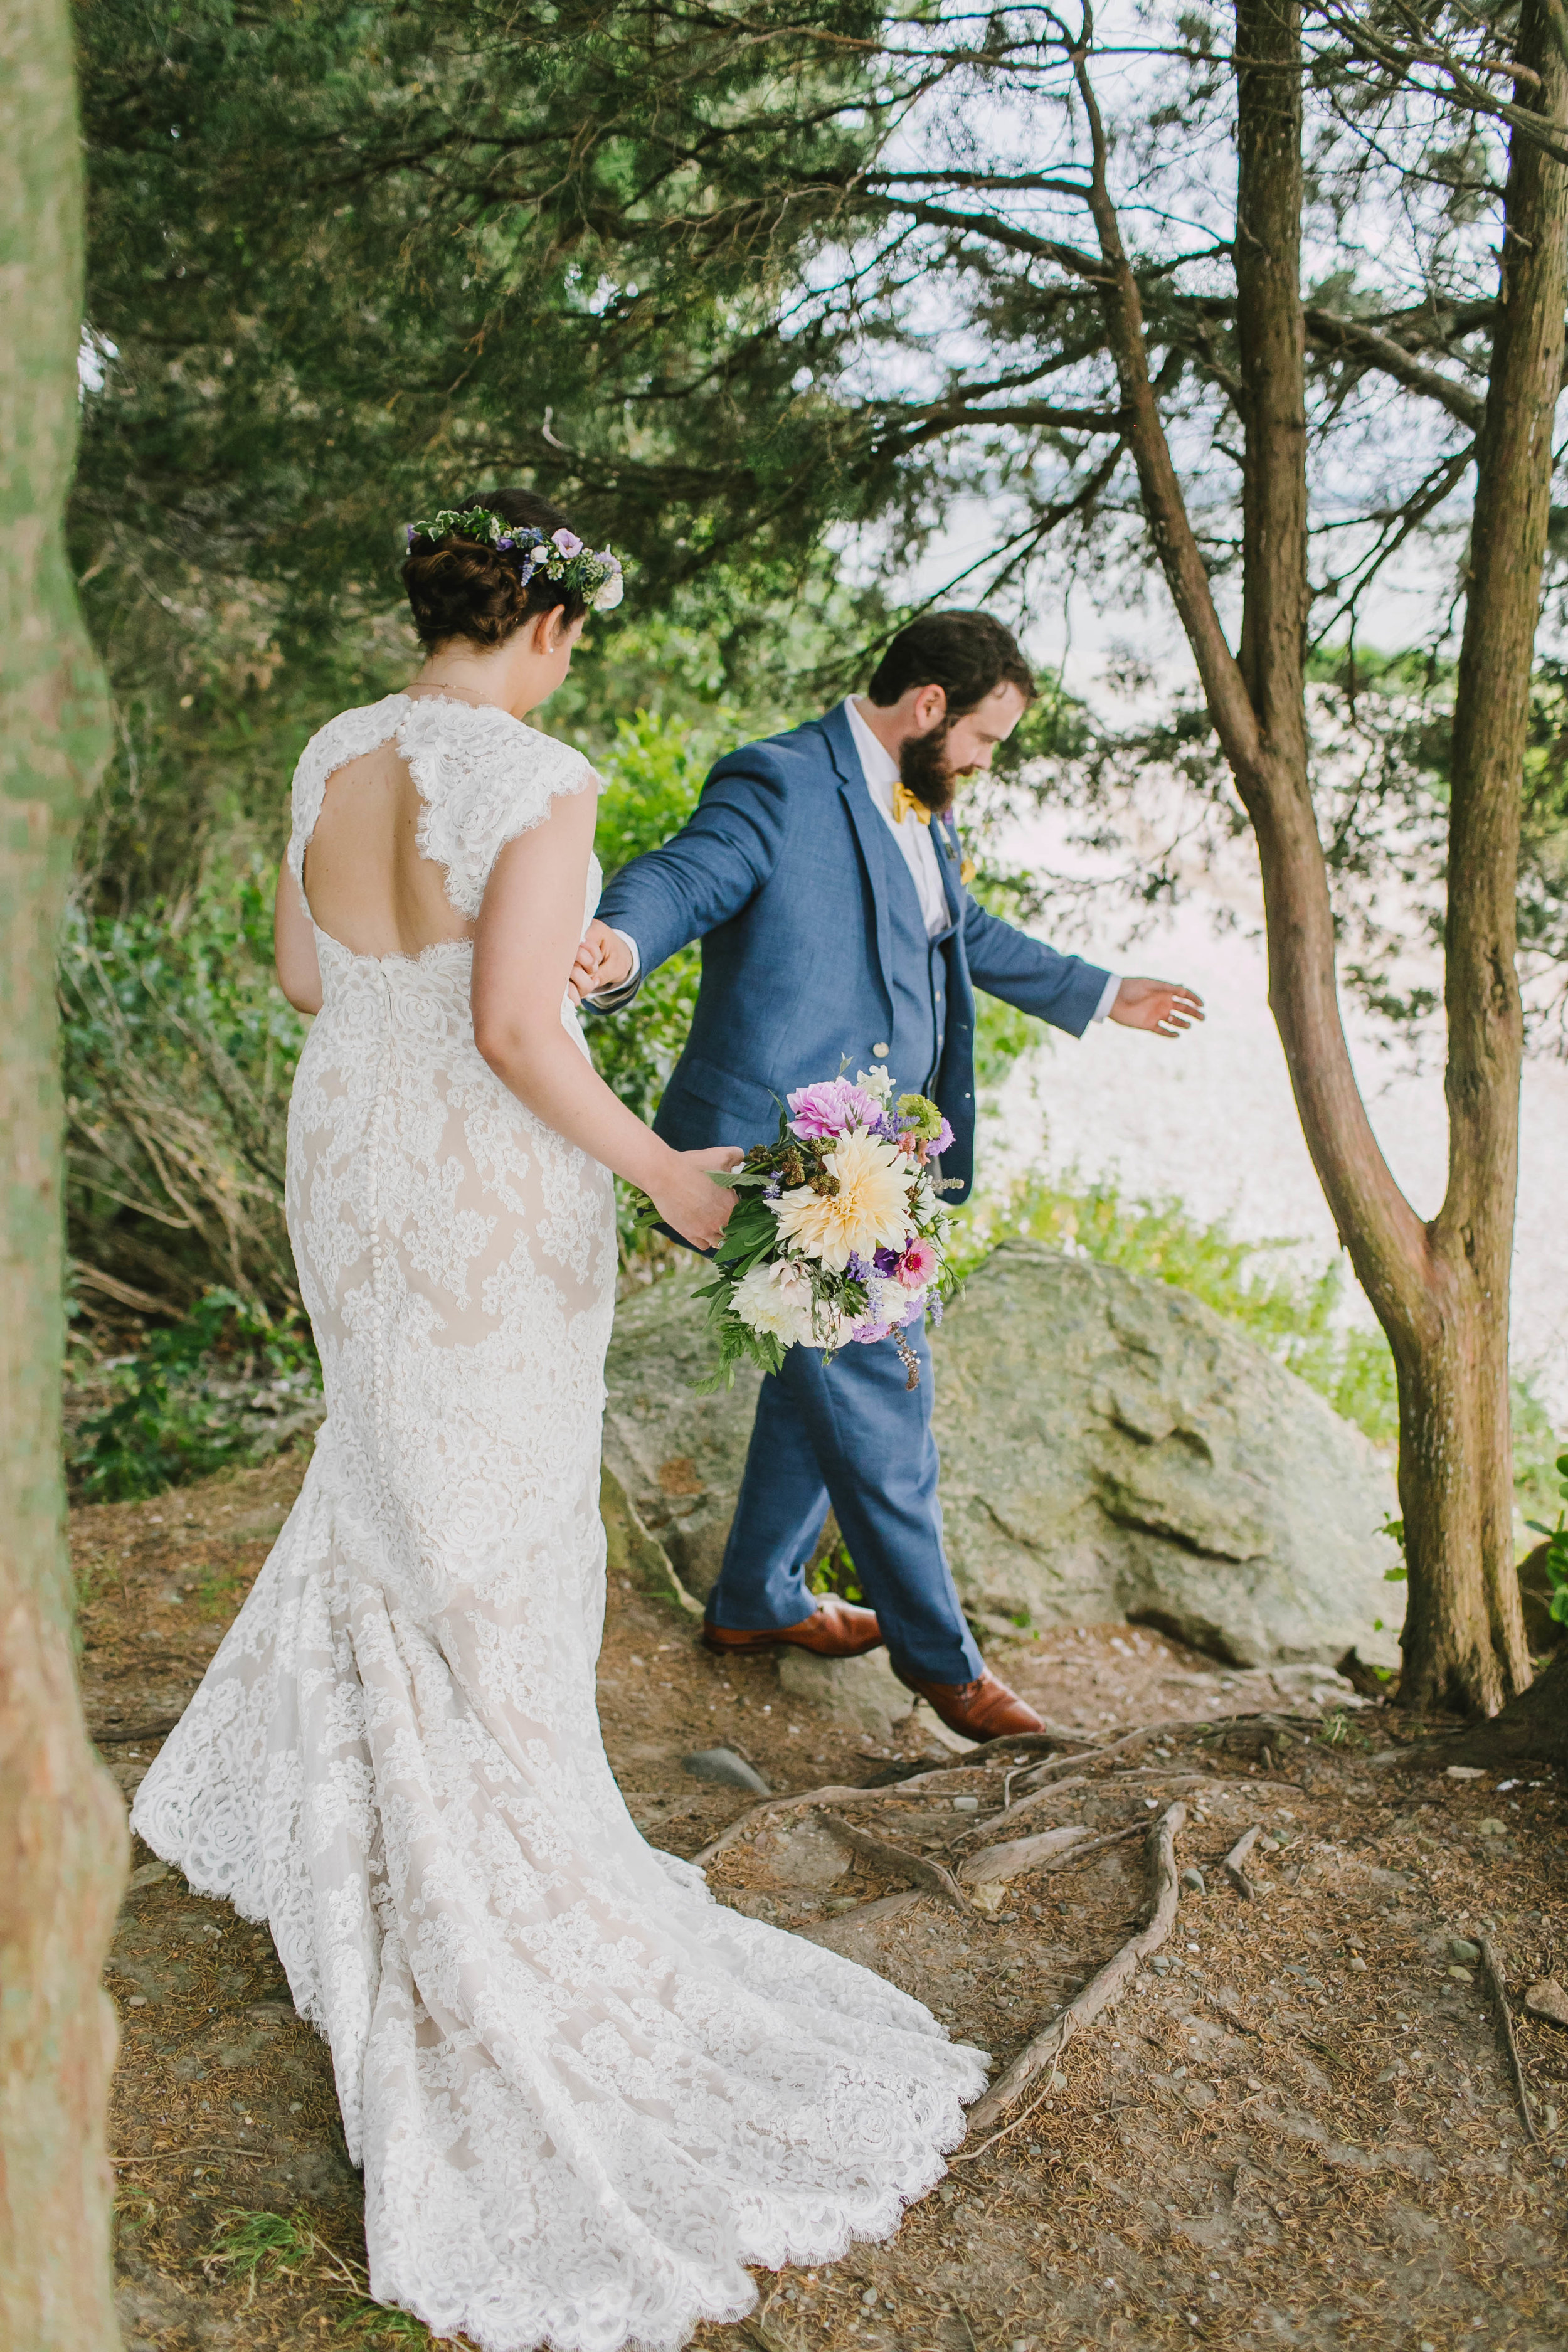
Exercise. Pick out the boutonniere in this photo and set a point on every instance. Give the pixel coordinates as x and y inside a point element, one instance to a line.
<point>950,842</point>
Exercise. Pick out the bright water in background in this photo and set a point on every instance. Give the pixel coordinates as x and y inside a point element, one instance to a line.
<point>1211,1118</point>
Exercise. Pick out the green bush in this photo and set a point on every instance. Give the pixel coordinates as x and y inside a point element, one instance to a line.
<point>225,1384</point>
<point>178,1053</point>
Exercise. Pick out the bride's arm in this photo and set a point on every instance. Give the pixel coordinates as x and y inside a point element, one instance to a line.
<point>528,926</point>
<point>294,946</point>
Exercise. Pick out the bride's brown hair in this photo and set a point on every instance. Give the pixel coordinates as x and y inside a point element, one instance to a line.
<point>457,587</point>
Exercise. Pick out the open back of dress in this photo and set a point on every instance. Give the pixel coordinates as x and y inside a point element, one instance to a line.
<point>584,2096</point>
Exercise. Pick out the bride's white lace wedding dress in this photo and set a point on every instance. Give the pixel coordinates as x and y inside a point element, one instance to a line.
<point>585,2096</point>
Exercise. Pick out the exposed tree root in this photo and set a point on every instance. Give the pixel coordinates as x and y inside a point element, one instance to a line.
<point>899,1860</point>
<point>1236,1857</point>
<point>1492,1964</point>
<point>1101,1990</point>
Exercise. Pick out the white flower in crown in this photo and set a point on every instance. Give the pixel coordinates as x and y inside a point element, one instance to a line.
<point>594,574</point>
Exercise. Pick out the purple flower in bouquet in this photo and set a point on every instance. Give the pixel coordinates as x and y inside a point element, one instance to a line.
<point>828,1108</point>
<point>886,1260</point>
<point>857,1268</point>
<point>943,1140</point>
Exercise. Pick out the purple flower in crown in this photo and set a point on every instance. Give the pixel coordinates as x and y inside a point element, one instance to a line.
<point>505,545</point>
<point>410,533</point>
<point>829,1108</point>
<point>567,542</point>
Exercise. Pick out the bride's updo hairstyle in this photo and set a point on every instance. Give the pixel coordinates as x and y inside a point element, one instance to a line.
<point>459,587</point>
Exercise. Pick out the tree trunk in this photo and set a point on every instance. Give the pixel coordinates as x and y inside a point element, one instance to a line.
<point>1440,1291</point>
<point>1466,1427</point>
<point>1532,1728</point>
<point>62,1824</point>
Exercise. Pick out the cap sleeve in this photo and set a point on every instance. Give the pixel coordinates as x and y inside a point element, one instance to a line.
<point>483,778</point>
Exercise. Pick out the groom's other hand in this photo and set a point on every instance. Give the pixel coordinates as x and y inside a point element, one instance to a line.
<point>1164,1006</point>
<point>604,962</point>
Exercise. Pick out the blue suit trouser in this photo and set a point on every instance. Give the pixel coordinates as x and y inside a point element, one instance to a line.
<point>854,1433</point>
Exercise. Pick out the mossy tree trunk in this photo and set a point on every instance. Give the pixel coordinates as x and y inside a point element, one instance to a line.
<point>62,1824</point>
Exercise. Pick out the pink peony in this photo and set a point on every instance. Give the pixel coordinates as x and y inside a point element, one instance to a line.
<point>917,1266</point>
<point>829,1108</point>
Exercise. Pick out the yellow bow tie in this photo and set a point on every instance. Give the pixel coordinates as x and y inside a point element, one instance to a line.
<point>905,804</point>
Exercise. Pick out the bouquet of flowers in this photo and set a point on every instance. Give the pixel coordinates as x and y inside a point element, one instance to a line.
<point>839,1233</point>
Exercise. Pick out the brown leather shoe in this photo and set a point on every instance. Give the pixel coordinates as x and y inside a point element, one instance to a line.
<point>834,1629</point>
<point>985,1710</point>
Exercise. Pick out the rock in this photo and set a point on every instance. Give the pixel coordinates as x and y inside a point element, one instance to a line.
<point>1193,1880</point>
<point>1492,1827</point>
<point>1110,1448</point>
<point>1461,1948</point>
<point>1462,1976</point>
<point>148,1876</point>
<point>1464,1772</point>
<point>863,1693</point>
<point>809,1857</point>
<point>726,1770</point>
<point>1547,1999</point>
<point>1323,1686</point>
<point>632,1553</point>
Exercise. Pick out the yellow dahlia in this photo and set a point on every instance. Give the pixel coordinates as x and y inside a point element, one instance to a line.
<point>869,1210</point>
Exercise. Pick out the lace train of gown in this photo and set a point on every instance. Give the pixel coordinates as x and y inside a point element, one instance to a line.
<point>584,2096</point>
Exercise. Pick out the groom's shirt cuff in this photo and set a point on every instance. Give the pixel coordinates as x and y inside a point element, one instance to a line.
<point>609,999</point>
<point>1108,994</point>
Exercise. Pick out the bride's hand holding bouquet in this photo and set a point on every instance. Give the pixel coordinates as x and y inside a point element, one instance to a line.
<point>838,1233</point>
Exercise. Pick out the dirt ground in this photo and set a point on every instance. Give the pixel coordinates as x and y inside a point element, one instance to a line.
<point>1297,2129</point>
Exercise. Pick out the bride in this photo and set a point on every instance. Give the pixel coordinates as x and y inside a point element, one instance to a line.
<point>584,2096</point>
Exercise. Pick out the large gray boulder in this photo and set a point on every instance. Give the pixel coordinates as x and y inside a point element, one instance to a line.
<point>1110,1448</point>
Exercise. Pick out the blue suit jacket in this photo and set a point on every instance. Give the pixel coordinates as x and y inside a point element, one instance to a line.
<point>775,873</point>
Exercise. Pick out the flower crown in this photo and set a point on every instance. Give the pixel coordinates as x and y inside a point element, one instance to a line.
<point>593,573</point>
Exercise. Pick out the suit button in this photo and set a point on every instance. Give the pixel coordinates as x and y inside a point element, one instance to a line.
<point>881,1049</point>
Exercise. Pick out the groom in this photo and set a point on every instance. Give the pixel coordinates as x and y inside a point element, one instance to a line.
<point>823,873</point>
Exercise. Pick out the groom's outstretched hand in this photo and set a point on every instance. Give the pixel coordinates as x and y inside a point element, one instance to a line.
<point>1163,1005</point>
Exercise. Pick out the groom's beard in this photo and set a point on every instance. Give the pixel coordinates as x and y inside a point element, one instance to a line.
<point>924,772</point>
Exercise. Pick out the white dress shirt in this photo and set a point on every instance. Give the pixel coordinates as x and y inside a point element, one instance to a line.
<point>880,771</point>
<point>916,846</point>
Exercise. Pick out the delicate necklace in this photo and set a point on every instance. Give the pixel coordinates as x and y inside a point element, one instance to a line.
<point>444,685</point>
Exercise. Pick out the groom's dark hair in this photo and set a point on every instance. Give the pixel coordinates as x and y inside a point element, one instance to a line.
<point>968,655</point>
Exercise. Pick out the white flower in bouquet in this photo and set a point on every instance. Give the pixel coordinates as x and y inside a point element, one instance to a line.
<point>869,1210</point>
<point>777,1298</point>
<point>876,1082</point>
